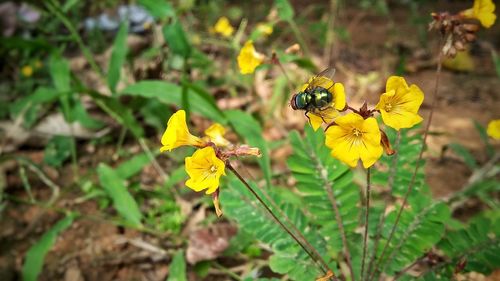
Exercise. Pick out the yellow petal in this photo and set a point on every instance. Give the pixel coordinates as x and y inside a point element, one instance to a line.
<point>204,170</point>
<point>264,28</point>
<point>353,138</point>
<point>482,10</point>
<point>371,151</point>
<point>394,83</point>
<point>493,129</point>
<point>339,96</point>
<point>400,104</point>
<point>223,27</point>
<point>27,71</point>
<point>216,134</point>
<point>315,120</point>
<point>341,148</point>
<point>249,58</point>
<point>177,133</point>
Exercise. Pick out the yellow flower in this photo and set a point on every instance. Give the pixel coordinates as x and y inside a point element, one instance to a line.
<point>353,138</point>
<point>27,71</point>
<point>399,104</point>
<point>204,170</point>
<point>482,10</point>
<point>494,129</point>
<point>249,59</point>
<point>223,27</point>
<point>177,133</point>
<point>264,28</point>
<point>216,134</point>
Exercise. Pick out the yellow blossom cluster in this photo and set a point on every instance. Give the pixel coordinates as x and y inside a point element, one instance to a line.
<point>207,164</point>
<point>357,135</point>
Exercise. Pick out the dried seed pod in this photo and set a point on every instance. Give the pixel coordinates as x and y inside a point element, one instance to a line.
<point>459,45</point>
<point>470,37</point>
<point>470,27</point>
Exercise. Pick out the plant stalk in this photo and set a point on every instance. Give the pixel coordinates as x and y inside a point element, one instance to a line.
<point>367,215</point>
<point>390,185</point>
<point>324,267</point>
<point>417,166</point>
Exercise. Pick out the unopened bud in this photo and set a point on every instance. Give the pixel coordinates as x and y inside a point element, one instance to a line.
<point>247,150</point>
<point>215,199</point>
<point>295,48</point>
<point>386,144</point>
<point>459,45</point>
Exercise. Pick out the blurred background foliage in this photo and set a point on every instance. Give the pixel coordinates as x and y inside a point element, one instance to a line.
<point>87,88</point>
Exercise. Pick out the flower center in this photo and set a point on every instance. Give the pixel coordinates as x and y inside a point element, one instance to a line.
<point>213,169</point>
<point>388,107</point>
<point>356,132</point>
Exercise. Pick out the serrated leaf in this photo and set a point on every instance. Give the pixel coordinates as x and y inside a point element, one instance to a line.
<point>123,201</point>
<point>118,57</point>
<point>289,258</point>
<point>35,256</point>
<point>246,126</point>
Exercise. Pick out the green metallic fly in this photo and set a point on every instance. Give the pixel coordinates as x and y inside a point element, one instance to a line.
<point>320,98</point>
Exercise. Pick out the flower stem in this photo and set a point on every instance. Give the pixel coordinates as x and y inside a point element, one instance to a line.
<point>390,184</point>
<point>338,218</point>
<point>316,258</point>
<point>417,165</point>
<point>367,214</point>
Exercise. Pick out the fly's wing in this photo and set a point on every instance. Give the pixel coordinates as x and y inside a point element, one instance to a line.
<point>320,116</point>
<point>322,79</point>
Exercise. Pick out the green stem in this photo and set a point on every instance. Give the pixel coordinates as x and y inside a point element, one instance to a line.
<point>418,163</point>
<point>318,260</point>
<point>390,185</point>
<point>298,35</point>
<point>52,6</point>
<point>367,215</point>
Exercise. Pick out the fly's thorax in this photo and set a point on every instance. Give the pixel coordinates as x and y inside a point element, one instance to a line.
<point>300,100</point>
<point>321,97</point>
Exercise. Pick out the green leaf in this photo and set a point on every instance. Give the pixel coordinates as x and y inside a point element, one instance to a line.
<point>176,39</point>
<point>118,57</point>
<point>324,183</point>
<point>496,61</point>
<point>159,9</point>
<point>461,151</point>
<point>119,112</point>
<point>33,262</point>
<point>247,127</point>
<point>170,93</point>
<point>61,77</point>
<point>115,187</point>
<point>133,166</point>
<point>177,268</point>
<point>285,10</point>
<point>60,73</point>
<point>479,243</point>
<point>485,138</point>
<point>288,257</point>
<point>57,150</point>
